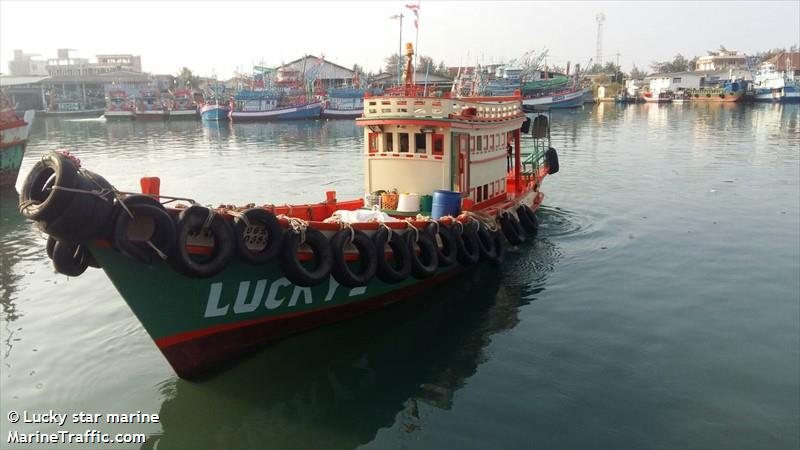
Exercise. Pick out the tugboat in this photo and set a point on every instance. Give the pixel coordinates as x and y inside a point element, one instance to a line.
<point>13,140</point>
<point>210,284</point>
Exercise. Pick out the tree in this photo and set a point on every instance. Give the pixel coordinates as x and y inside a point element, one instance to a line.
<point>187,78</point>
<point>636,73</point>
<point>392,63</point>
<point>678,64</point>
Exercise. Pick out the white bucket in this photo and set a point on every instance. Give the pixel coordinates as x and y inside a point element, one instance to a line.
<point>408,203</point>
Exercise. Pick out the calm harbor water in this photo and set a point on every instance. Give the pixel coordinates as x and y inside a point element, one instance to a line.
<point>659,307</point>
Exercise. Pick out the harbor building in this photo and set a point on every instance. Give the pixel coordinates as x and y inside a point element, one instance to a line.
<point>721,60</point>
<point>311,68</point>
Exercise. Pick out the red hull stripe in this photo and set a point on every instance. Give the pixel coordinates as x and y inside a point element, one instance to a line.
<point>364,305</point>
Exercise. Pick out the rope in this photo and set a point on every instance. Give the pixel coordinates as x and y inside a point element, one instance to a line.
<point>209,219</point>
<point>156,249</point>
<point>240,216</point>
<point>298,226</point>
<point>389,229</point>
<point>416,230</point>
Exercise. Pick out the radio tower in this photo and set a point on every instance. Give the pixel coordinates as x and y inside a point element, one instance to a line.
<point>600,18</point>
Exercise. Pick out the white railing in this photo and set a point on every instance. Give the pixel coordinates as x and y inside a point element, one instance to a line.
<point>440,108</point>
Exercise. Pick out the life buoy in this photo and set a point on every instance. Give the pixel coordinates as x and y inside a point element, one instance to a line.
<point>198,219</point>
<point>551,157</point>
<point>149,224</point>
<point>486,244</point>
<point>528,220</point>
<point>88,215</point>
<point>342,271</point>
<point>469,252</point>
<point>68,258</point>
<point>511,228</point>
<point>294,270</point>
<point>259,236</point>
<point>398,267</point>
<point>425,263</point>
<point>37,201</point>
<point>446,243</point>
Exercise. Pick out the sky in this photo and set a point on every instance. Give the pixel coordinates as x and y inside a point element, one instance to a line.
<point>218,38</point>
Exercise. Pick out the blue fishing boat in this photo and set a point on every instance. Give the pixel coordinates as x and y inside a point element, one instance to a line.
<point>344,103</point>
<point>214,111</point>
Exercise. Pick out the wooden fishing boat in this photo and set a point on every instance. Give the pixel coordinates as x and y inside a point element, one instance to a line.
<point>119,106</point>
<point>182,105</point>
<point>344,103</point>
<point>209,284</point>
<point>727,92</point>
<point>149,105</point>
<point>13,140</point>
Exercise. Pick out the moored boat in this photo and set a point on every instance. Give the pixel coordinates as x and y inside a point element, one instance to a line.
<point>13,140</point>
<point>70,107</point>
<point>568,98</point>
<point>118,105</point>
<point>727,92</point>
<point>238,277</point>
<point>150,106</point>
<point>660,97</point>
<point>182,105</point>
<point>344,103</point>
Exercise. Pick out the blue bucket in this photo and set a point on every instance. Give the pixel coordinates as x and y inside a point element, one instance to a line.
<point>445,203</point>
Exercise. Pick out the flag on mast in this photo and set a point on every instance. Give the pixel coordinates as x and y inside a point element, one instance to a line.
<point>415,10</point>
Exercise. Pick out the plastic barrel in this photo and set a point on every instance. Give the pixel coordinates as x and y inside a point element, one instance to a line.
<point>425,203</point>
<point>445,203</point>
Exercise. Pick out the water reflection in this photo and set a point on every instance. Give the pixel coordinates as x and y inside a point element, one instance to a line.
<point>341,384</point>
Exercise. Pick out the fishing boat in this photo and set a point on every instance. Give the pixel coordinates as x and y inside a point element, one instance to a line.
<point>791,91</point>
<point>182,105</point>
<point>344,103</point>
<point>149,106</point>
<point>254,106</point>
<point>214,111</point>
<point>119,106</point>
<point>13,140</point>
<point>61,106</point>
<point>209,284</point>
<point>768,84</point>
<point>657,97</point>
<point>568,98</point>
<point>731,91</point>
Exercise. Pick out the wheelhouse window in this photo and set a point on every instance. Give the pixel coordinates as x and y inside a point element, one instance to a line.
<point>373,142</point>
<point>420,144</point>
<point>389,142</point>
<point>403,142</point>
<point>479,145</point>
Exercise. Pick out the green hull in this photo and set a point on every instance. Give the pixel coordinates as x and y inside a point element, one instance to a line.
<point>199,322</point>
<point>10,161</point>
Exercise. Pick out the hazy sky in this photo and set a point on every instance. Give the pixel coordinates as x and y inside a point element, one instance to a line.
<point>221,36</point>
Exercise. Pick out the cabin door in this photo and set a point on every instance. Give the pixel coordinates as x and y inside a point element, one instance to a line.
<point>461,146</point>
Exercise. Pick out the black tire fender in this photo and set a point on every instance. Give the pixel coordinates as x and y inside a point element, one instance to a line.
<point>69,259</point>
<point>194,219</point>
<point>551,157</point>
<point>398,268</point>
<point>271,237</point>
<point>469,252</point>
<point>162,234</point>
<point>424,264</point>
<point>293,268</point>
<point>448,252</point>
<point>54,169</point>
<point>500,246</point>
<point>511,228</point>
<point>528,220</point>
<point>342,271</point>
<point>486,244</point>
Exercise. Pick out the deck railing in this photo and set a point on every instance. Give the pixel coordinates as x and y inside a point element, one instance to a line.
<point>486,109</point>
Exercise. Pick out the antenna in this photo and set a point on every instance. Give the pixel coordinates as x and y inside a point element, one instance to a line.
<point>600,18</point>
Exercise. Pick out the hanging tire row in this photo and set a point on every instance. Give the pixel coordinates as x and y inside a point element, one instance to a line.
<point>200,242</point>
